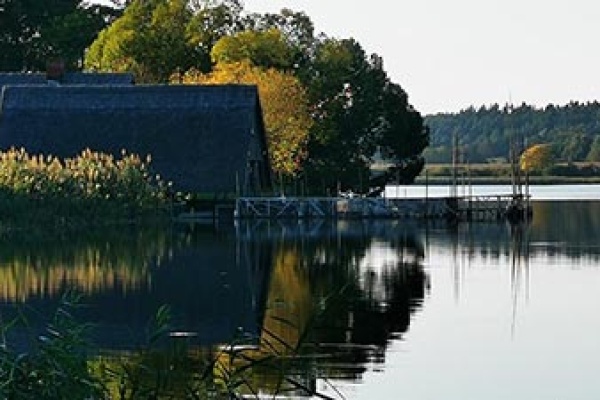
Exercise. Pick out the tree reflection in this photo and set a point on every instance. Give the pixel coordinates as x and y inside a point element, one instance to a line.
<point>338,294</point>
<point>90,262</point>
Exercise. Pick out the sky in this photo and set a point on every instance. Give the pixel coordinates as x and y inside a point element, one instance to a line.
<point>452,54</point>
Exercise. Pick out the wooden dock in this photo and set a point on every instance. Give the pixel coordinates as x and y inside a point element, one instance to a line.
<point>463,208</point>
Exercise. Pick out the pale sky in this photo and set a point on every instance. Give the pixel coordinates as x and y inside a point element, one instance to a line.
<point>450,54</point>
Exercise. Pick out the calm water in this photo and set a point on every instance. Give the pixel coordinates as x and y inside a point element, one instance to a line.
<point>538,192</point>
<point>390,310</point>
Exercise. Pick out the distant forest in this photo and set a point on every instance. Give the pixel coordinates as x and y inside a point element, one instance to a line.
<point>485,134</point>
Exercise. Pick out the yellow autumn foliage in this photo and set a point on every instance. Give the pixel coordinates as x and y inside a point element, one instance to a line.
<point>284,103</point>
<point>536,158</point>
<point>288,311</point>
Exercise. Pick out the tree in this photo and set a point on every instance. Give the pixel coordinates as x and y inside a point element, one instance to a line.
<point>403,135</point>
<point>570,129</point>
<point>358,111</point>
<point>151,39</point>
<point>157,38</point>
<point>285,110</point>
<point>297,29</point>
<point>594,154</point>
<point>33,32</point>
<point>536,158</point>
<point>213,20</point>
<point>266,49</point>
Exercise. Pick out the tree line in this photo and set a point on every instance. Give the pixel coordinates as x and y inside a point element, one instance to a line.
<point>572,132</point>
<point>330,107</point>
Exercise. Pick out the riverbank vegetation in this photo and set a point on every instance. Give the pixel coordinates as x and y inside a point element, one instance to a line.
<point>499,173</point>
<point>485,134</point>
<point>45,192</point>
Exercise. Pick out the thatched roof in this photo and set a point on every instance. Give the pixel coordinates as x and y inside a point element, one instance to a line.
<point>104,78</point>
<point>69,78</point>
<point>199,137</point>
<point>14,78</point>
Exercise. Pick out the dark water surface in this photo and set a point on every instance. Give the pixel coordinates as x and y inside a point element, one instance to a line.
<point>384,309</point>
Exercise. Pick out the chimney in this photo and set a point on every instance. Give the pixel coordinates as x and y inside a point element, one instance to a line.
<point>55,70</point>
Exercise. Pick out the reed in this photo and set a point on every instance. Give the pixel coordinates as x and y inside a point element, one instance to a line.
<point>61,363</point>
<point>91,188</point>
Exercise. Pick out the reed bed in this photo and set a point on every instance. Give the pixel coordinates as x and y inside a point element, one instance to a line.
<point>91,188</point>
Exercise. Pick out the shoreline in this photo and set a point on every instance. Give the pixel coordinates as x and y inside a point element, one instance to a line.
<point>494,180</point>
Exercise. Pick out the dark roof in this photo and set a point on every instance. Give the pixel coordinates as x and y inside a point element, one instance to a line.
<point>84,78</point>
<point>199,137</point>
<point>70,78</point>
<point>13,78</point>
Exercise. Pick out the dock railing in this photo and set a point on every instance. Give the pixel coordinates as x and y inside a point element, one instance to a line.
<point>487,207</point>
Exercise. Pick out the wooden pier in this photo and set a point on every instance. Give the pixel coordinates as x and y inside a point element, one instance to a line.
<point>463,208</point>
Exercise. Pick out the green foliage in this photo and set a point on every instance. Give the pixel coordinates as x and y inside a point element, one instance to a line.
<point>594,154</point>
<point>266,49</point>
<point>151,39</point>
<point>32,32</point>
<point>57,367</point>
<point>155,39</point>
<point>358,111</point>
<point>486,133</point>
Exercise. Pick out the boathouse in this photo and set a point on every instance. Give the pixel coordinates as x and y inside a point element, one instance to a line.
<point>203,139</point>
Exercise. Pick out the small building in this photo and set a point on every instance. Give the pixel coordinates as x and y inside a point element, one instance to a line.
<point>203,139</point>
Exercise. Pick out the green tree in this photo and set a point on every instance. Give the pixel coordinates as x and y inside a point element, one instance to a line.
<point>152,39</point>
<point>297,29</point>
<point>573,146</point>
<point>213,20</point>
<point>262,48</point>
<point>358,110</point>
<point>594,154</point>
<point>570,128</point>
<point>403,135</point>
<point>33,32</point>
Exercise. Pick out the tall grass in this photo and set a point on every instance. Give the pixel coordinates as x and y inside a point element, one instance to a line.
<point>90,188</point>
<point>61,364</point>
<point>56,367</point>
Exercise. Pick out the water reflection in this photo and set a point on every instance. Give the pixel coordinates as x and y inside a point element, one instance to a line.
<point>335,292</point>
<point>95,262</point>
<point>127,275</point>
<point>338,293</point>
<point>331,295</point>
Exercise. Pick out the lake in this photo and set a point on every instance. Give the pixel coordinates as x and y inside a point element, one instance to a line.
<point>377,309</point>
<point>538,192</point>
